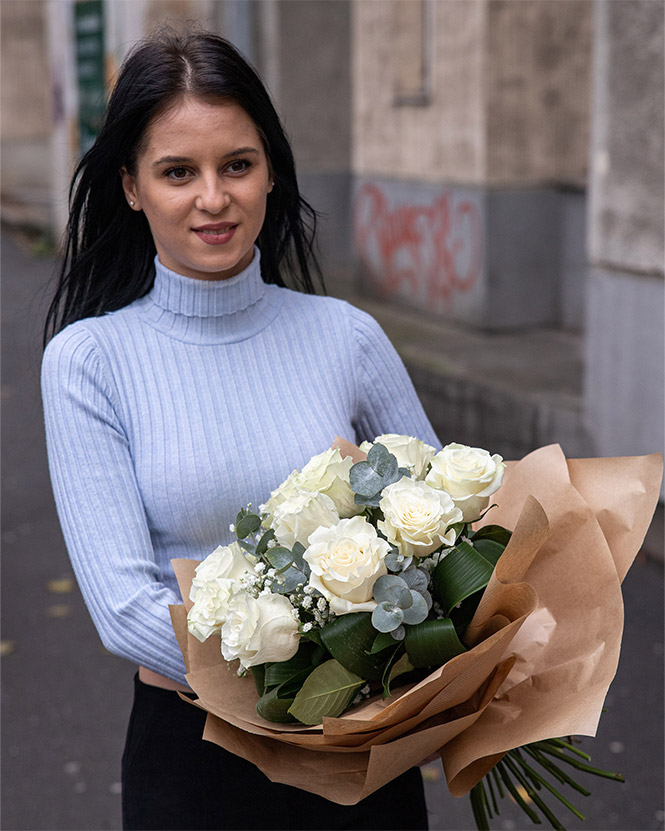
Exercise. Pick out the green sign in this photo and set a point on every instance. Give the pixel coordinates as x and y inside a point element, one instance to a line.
<point>89,34</point>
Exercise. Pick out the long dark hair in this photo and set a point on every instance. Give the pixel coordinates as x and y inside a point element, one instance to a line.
<point>109,250</point>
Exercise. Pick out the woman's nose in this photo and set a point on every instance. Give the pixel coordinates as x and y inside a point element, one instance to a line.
<point>213,196</point>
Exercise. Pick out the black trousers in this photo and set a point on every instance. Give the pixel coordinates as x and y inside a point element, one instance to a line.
<point>172,779</point>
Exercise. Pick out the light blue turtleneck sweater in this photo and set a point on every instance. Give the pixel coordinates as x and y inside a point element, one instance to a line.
<point>167,416</point>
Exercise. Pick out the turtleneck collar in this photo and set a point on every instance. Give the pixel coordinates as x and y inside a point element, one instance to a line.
<point>210,311</point>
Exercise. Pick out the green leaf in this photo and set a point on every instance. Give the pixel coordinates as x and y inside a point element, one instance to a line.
<point>496,533</point>
<point>489,549</point>
<point>262,544</point>
<point>349,639</point>
<point>458,575</point>
<point>387,672</point>
<point>327,692</point>
<point>272,708</point>
<point>279,557</point>
<point>278,672</point>
<point>246,546</point>
<point>432,643</point>
<point>382,641</point>
<point>288,580</point>
<point>246,524</point>
<point>258,674</point>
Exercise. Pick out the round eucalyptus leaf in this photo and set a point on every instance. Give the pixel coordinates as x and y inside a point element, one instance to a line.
<point>417,611</point>
<point>385,586</point>
<point>387,617</point>
<point>416,579</point>
<point>399,633</point>
<point>394,561</point>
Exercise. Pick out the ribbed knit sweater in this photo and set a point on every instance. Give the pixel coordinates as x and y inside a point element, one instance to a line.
<point>166,417</point>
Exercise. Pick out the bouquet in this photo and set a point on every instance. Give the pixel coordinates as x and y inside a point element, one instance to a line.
<point>381,616</point>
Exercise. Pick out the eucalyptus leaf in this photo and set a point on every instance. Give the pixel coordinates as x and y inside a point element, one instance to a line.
<point>416,579</point>
<point>247,524</point>
<point>288,581</point>
<point>394,561</point>
<point>246,546</point>
<point>383,461</point>
<point>262,544</point>
<point>398,634</point>
<point>417,611</point>
<point>327,692</point>
<point>390,587</point>
<point>387,616</point>
<point>432,643</point>
<point>279,557</point>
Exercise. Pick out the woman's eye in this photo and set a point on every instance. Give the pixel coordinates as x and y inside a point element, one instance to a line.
<point>238,166</point>
<point>177,173</point>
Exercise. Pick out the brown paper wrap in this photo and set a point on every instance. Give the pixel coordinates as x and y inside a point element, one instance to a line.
<point>545,643</point>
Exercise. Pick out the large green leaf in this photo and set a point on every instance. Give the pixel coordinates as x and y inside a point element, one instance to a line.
<point>327,692</point>
<point>432,643</point>
<point>272,708</point>
<point>496,533</point>
<point>489,549</point>
<point>461,573</point>
<point>280,671</point>
<point>246,523</point>
<point>349,639</point>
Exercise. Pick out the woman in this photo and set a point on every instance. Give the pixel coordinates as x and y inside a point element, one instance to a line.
<point>185,380</point>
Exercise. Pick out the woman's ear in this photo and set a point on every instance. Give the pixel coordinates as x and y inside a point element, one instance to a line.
<point>129,186</point>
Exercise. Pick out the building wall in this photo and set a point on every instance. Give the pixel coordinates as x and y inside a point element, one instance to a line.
<point>625,383</point>
<point>444,137</point>
<point>26,113</point>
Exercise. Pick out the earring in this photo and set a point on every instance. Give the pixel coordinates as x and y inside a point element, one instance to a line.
<point>131,203</point>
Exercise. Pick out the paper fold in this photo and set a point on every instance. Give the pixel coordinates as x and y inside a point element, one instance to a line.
<point>544,641</point>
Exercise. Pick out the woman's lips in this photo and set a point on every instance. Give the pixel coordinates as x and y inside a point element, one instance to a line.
<point>215,234</point>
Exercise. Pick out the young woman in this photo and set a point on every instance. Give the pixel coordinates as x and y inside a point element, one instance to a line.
<point>186,380</point>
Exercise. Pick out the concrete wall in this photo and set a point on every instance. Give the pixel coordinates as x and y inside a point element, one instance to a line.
<point>504,117</point>
<point>625,396</point>
<point>538,81</point>
<point>442,139</point>
<point>26,113</point>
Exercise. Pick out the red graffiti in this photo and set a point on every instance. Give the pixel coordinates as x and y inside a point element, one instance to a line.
<point>424,253</point>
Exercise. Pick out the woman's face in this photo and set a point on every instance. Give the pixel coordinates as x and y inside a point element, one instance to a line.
<point>202,180</point>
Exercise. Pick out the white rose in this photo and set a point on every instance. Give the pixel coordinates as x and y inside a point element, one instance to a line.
<point>417,517</point>
<point>286,490</point>
<point>296,518</point>
<point>328,473</point>
<point>227,562</point>
<point>346,560</point>
<point>469,474</point>
<point>260,629</point>
<point>413,454</point>
<point>210,608</point>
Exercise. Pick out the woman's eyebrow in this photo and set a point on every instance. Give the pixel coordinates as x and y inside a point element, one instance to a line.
<point>239,151</point>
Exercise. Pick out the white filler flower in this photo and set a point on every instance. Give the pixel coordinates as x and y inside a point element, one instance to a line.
<point>346,560</point>
<point>260,629</point>
<point>304,512</point>
<point>417,518</point>
<point>413,454</point>
<point>469,474</point>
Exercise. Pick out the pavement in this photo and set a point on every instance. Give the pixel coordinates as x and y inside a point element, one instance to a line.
<point>66,700</point>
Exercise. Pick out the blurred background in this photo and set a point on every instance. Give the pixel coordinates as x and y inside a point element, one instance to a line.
<point>489,175</point>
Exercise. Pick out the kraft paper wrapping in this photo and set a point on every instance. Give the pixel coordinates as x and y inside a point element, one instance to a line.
<point>544,641</point>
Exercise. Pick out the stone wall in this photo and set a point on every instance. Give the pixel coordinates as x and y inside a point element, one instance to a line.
<point>625,395</point>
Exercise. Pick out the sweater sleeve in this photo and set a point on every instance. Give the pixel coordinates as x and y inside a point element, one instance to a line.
<point>100,507</point>
<point>386,399</point>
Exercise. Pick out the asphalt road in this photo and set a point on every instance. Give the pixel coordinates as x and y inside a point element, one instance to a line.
<point>66,701</point>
